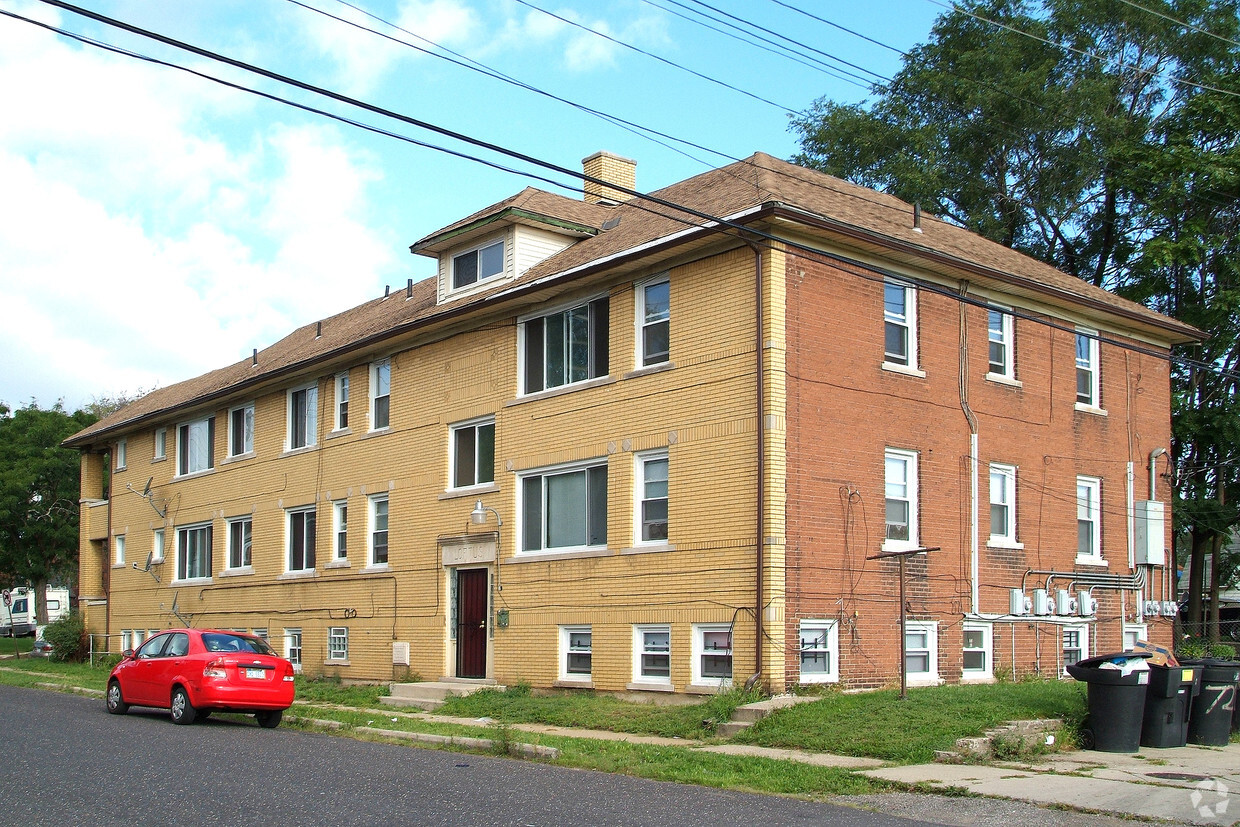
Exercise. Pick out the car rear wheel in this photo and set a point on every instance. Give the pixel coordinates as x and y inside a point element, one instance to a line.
<point>183,711</point>
<point>116,701</point>
<point>269,720</point>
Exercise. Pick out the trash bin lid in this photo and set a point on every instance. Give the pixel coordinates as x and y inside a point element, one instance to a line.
<point>1214,670</point>
<point>1096,662</point>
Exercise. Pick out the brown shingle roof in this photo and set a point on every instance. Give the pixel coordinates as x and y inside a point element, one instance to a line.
<point>759,183</point>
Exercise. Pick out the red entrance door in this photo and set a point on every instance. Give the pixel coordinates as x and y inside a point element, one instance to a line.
<point>471,630</point>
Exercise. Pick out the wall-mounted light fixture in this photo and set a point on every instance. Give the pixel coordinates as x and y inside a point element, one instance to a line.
<point>479,515</point>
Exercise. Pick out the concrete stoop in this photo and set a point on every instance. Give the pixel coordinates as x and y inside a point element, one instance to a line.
<point>1021,736</point>
<point>430,695</point>
<point>746,716</point>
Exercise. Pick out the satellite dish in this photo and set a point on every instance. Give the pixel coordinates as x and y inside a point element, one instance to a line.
<point>146,492</point>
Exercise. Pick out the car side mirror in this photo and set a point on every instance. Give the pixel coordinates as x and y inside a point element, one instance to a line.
<point>127,654</point>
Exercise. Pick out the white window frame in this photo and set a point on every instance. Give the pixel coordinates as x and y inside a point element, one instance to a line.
<point>908,459</point>
<point>310,425</point>
<point>161,443</point>
<point>309,550</point>
<point>931,629</point>
<point>570,646</point>
<point>987,649</point>
<point>1137,631</point>
<point>1003,496</point>
<point>1003,337</point>
<point>479,277</point>
<point>544,475</point>
<point>247,430</point>
<point>905,320</point>
<point>598,316</point>
<point>122,454</point>
<point>380,380</point>
<point>702,650</point>
<point>157,545</point>
<point>640,651</point>
<point>1088,365</point>
<point>292,648</point>
<point>481,473</point>
<point>340,530</point>
<point>182,573</point>
<point>127,640</point>
<point>1089,515</point>
<point>1082,641</point>
<point>823,638</point>
<point>190,433</point>
<point>645,322</point>
<point>245,558</point>
<point>338,644</point>
<point>340,422</point>
<point>118,550</point>
<point>373,521</point>
<point>647,491</point>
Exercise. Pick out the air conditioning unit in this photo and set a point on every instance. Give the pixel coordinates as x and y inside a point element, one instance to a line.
<point>1018,604</point>
<point>1042,603</point>
<point>1170,608</point>
<point>1085,604</point>
<point>400,654</point>
<point>1065,603</point>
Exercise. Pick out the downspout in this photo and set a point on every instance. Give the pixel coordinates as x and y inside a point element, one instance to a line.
<point>759,631</point>
<point>971,418</point>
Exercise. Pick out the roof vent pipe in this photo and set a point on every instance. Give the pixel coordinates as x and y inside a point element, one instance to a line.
<point>254,359</point>
<point>318,330</point>
<point>917,218</point>
<point>409,289</point>
<point>387,289</point>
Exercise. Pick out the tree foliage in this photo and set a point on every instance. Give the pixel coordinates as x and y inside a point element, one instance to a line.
<point>39,489</point>
<point>1101,137</point>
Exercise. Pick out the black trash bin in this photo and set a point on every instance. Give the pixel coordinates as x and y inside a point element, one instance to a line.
<point>1116,701</point>
<point>1210,721</point>
<point>1168,702</point>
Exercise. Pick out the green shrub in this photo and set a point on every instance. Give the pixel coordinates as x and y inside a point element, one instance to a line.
<point>1191,649</point>
<point>1224,651</point>
<point>68,637</point>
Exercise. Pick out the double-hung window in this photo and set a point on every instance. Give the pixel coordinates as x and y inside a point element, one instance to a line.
<point>652,653</point>
<point>157,546</point>
<point>1075,644</point>
<point>379,530</point>
<point>1002,505</point>
<point>1000,332</point>
<point>565,348</point>
<point>292,648</point>
<point>340,529</point>
<point>899,325</point>
<point>900,481</point>
<point>976,651</point>
<point>473,453</point>
<point>479,264</point>
<point>712,654</point>
<point>240,537</point>
<point>301,538</point>
<point>303,417</point>
<point>576,653</point>
<point>118,549</point>
<point>161,443</point>
<point>196,446</point>
<point>342,401</point>
<point>1088,519</point>
<point>241,430</point>
<point>652,498</point>
<point>921,651</point>
<point>194,552</point>
<point>1087,373</point>
<point>819,651</point>
<point>380,394</point>
<point>564,508</point>
<point>122,455</point>
<point>654,322</point>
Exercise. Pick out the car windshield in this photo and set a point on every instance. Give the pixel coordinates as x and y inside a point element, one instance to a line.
<point>223,642</point>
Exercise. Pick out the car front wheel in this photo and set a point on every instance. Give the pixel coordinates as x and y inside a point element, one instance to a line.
<point>183,711</point>
<point>116,701</point>
<point>269,720</point>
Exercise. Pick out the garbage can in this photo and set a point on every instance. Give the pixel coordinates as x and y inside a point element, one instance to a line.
<point>1168,703</point>
<point>1115,686</point>
<point>1210,721</point>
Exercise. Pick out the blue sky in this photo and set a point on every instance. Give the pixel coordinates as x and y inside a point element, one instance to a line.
<point>155,225</point>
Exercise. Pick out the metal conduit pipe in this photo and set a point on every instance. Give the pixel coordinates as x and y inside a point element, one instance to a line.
<point>1121,582</point>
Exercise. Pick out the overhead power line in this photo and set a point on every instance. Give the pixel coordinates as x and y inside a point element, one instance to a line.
<point>1178,22</point>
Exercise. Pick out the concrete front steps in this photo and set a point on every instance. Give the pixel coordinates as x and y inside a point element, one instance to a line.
<point>430,695</point>
<point>746,716</point>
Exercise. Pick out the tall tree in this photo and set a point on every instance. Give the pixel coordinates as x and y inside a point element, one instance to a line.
<point>38,495</point>
<point>1101,137</point>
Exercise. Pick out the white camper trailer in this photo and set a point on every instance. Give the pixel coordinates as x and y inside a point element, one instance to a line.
<point>18,611</point>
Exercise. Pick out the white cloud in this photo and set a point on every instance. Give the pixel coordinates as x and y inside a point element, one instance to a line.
<point>593,44</point>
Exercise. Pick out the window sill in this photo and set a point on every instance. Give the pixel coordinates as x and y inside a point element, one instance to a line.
<point>650,687</point>
<point>338,564</point>
<point>646,370</point>
<point>237,572</point>
<point>1002,543</point>
<point>721,685</point>
<point>1091,561</point>
<point>373,432</point>
<point>924,680</point>
<point>192,474</point>
<point>305,449</point>
<point>337,432</point>
<point>652,548</point>
<point>809,680</point>
<point>237,457</point>
<point>570,683</point>
<point>304,574</point>
<point>899,545</point>
<point>905,370</point>
<point>336,663</point>
<point>192,581</point>
<point>376,568</point>
<point>538,556</point>
<point>967,678</point>
<point>1090,409</point>
<point>560,391</point>
<point>457,493</point>
<point>1003,379</point>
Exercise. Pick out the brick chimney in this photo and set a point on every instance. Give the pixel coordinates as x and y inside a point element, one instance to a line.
<point>615,170</point>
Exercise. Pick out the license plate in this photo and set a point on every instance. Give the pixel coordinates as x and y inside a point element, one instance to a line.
<point>256,673</point>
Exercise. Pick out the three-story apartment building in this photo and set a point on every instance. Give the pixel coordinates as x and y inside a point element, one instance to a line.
<point>661,444</point>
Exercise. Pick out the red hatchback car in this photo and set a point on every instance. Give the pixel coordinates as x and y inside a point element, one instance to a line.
<point>194,672</point>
